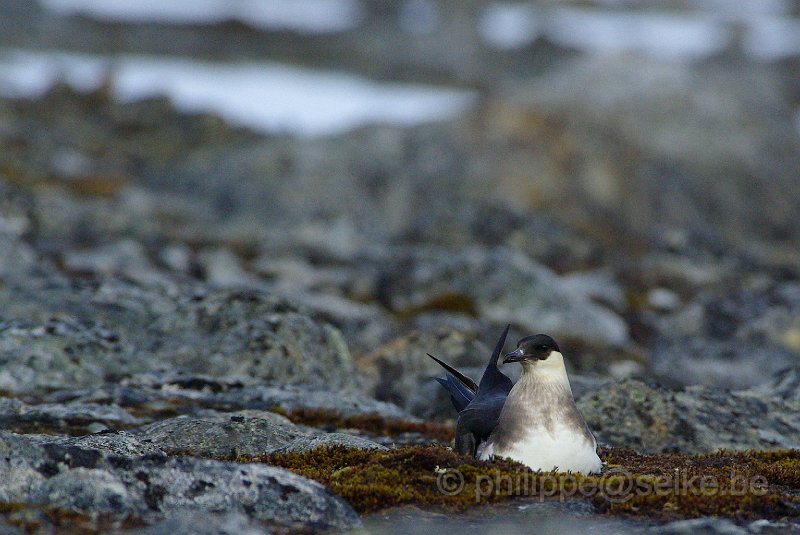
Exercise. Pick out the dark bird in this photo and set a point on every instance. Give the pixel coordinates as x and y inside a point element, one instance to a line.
<point>478,406</point>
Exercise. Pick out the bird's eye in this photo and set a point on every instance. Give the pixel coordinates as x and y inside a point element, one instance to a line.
<point>542,348</point>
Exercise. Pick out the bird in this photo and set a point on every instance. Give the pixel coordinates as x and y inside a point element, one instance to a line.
<point>540,425</point>
<point>478,405</point>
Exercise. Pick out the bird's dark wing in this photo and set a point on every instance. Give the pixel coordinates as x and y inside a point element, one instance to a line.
<point>460,395</point>
<point>466,381</point>
<point>493,379</point>
<point>481,415</point>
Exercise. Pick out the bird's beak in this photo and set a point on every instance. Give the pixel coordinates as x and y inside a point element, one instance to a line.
<point>514,356</point>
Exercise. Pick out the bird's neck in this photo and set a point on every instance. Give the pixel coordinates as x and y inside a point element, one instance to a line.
<point>550,372</point>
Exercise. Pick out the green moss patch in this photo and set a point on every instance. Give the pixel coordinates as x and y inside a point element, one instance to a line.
<point>738,485</point>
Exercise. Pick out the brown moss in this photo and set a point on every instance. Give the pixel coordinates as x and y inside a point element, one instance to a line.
<point>445,302</point>
<point>738,485</point>
<point>33,519</point>
<point>372,424</point>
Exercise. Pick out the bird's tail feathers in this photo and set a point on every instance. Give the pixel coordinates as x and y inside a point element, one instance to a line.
<point>466,381</point>
<point>460,395</point>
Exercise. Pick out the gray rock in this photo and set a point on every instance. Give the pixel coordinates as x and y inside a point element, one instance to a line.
<point>208,523</point>
<point>125,258</point>
<point>714,526</point>
<point>93,481</point>
<point>732,337</point>
<point>113,443</point>
<point>221,436</point>
<point>250,433</point>
<point>126,328</point>
<point>59,353</point>
<point>785,384</point>
<point>88,489</point>
<point>291,397</point>
<point>499,285</point>
<point>694,419</point>
<point>20,467</point>
<point>673,148</point>
<point>65,418</point>
<point>262,492</point>
<point>246,333</point>
<point>394,371</point>
<point>310,442</point>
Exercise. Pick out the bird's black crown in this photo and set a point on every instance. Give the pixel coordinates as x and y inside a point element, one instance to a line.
<point>538,346</point>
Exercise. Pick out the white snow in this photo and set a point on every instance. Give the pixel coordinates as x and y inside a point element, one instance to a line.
<point>268,97</point>
<point>768,32</point>
<point>310,16</point>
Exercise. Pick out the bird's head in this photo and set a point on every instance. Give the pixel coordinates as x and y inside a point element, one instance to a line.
<point>533,348</point>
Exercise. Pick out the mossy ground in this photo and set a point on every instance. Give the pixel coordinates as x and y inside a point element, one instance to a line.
<point>371,424</point>
<point>738,485</point>
<point>48,519</point>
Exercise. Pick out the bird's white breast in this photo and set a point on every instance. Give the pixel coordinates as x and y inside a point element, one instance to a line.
<point>562,448</point>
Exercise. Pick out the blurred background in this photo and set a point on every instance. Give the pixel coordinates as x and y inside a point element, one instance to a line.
<point>621,174</point>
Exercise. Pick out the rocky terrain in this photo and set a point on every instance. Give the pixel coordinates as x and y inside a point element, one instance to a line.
<point>181,297</point>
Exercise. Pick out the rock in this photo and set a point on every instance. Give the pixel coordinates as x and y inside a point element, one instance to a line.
<point>21,467</point>
<point>394,371</point>
<point>223,435</point>
<point>499,285</point>
<point>223,268</point>
<point>64,418</point>
<point>156,393</point>
<point>732,337</point>
<point>115,329</point>
<point>262,492</point>
<point>785,385</point>
<point>113,443</point>
<point>493,224</point>
<point>310,442</point>
<point>59,353</point>
<point>692,420</point>
<point>247,333</point>
<point>125,258</point>
<point>661,159</point>
<point>87,489</point>
<point>91,482</point>
<point>232,523</point>
<point>249,433</point>
<point>714,526</point>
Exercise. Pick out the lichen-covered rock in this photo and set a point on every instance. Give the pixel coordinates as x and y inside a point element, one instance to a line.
<point>21,467</point>
<point>59,353</point>
<point>326,440</point>
<point>221,436</point>
<point>153,487</point>
<point>246,333</point>
<point>243,433</point>
<point>694,419</point>
<point>113,443</point>
<point>125,329</point>
<point>62,417</point>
